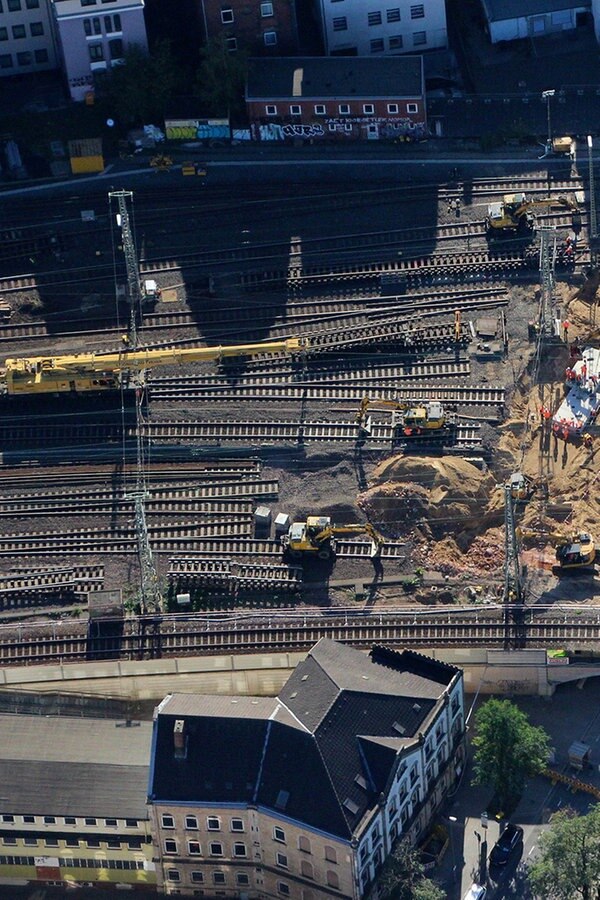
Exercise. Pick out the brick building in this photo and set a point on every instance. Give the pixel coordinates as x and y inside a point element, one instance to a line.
<point>336,98</point>
<point>258,28</point>
<point>303,795</point>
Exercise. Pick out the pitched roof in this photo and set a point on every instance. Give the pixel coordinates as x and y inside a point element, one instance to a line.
<point>340,77</point>
<point>499,10</point>
<point>321,752</point>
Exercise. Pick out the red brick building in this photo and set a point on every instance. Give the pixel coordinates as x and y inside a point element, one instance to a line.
<point>259,27</point>
<point>337,98</point>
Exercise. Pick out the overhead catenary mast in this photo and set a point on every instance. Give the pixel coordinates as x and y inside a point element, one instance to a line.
<point>134,287</point>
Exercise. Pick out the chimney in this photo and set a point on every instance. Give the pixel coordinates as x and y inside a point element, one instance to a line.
<point>179,739</point>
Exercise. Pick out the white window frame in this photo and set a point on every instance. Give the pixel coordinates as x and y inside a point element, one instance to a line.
<point>165,824</point>
<point>295,109</point>
<point>344,109</point>
<point>392,109</point>
<point>320,109</point>
<point>266,10</point>
<point>368,109</point>
<point>231,44</point>
<point>209,823</point>
<point>225,16</point>
<point>270,109</point>
<point>170,841</point>
<point>278,831</point>
<point>269,34</point>
<point>412,108</point>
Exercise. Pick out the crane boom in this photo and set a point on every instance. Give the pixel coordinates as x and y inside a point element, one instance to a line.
<point>82,372</point>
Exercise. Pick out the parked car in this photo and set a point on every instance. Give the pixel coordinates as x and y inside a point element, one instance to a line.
<point>476,892</point>
<point>510,838</point>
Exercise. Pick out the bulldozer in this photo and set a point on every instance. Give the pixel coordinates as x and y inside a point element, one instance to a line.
<point>513,215</point>
<point>413,418</point>
<point>576,550</point>
<point>316,537</point>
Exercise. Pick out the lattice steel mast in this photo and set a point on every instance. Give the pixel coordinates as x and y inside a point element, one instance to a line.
<point>514,590</point>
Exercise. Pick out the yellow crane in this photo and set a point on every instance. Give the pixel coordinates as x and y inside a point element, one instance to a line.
<point>514,213</point>
<point>101,372</point>
<point>413,418</point>
<point>316,537</point>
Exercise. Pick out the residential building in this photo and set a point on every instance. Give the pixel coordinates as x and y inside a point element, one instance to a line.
<point>303,795</point>
<point>258,28</point>
<point>509,20</point>
<point>73,802</point>
<point>353,28</point>
<point>336,98</point>
<point>93,35</point>
<point>26,37</point>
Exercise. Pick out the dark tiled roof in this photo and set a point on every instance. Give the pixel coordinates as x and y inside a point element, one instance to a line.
<point>340,77</point>
<point>498,10</point>
<point>321,753</point>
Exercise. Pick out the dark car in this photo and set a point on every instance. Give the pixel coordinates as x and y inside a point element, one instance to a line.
<point>506,843</point>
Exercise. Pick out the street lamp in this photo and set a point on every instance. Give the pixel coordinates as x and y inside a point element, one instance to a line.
<point>547,96</point>
<point>453,820</point>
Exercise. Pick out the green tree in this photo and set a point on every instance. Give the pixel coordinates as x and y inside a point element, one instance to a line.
<point>403,876</point>
<point>568,865</point>
<point>508,749</point>
<point>221,79</point>
<point>138,92</point>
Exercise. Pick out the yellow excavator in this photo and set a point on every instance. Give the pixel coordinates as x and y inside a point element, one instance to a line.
<point>316,537</point>
<point>413,418</point>
<point>514,213</point>
<point>573,551</point>
<point>101,372</point>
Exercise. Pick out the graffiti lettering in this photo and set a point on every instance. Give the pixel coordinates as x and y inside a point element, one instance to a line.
<point>80,82</point>
<point>302,131</point>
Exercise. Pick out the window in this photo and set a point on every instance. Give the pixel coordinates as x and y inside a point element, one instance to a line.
<point>96,25</point>
<point>110,823</point>
<point>340,23</point>
<point>333,880</point>
<point>216,848</point>
<point>134,843</point>
<point>14,5</point>
<point>396,42</point>
<point>131,823</point>
<point>227,16</point>
<point>49,820</point>
<point>239,850</point>
<point>116,48</point>
<point>191,822</point>
<point>266,10</point>
<point>213,823</point>
<point>295,110</point>
<point>374,18</point>
<point>30,841</point>
<point>25,58</point>
<point>87,27</point>
<point>51,842</point>
<point>392,108</point>
<point>306,869</point>
<point>18,31</point>
<point>197,877</point>
<point>41,56</point>
<point>96,52</point>
<point>331,854</point>
<point>29,820</point>
<point>231,44</point>
<point>344,109</point>
<point>3,34</point>
<point>412,108</point>
<point>393,15</point>
<point>32,4</point>
<point>270,38</point>
<point>281,860</point>
<point>90,821</point>
<point>320,109</point>
<point>8,839</point>
<point>36,29</point>
<point>238,824</point>
<point>368,109</point>
<point>419,37</point>
<point>112,23</point>
<point>88,2</point>
<point>242,878</point>
<point>170,845</point>
<point>304,844</point>
<point>93,843</point>
<point>194,848</point>
<point>271,109</point>
<point>167,821</point>
<point>113,844</point>
<point>173,875</point>
<point>71,842</point>
<point>279,834</point>
<point>8,818</point>
<point>418,11</point>
<point>377,46</point>
<point>219,877</point>
<point>283,888</point>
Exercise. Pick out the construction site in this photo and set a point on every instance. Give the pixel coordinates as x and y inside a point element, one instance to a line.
<point>215,438</point>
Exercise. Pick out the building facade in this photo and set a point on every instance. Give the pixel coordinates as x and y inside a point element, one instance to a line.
<point>352,28</point>
<point>73,807</point>
<point>92,36</point>
<point>303,795</point>
<point>511,20</point>
<point>258,28</point>
<point>313,98</point>
<point>26,37</point>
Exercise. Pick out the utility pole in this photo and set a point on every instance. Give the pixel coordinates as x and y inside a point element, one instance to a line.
<point>547,282</point>
<point>592,190</point>
<point>134,288</point>
<point>547,96</point>
<point>514,594</point>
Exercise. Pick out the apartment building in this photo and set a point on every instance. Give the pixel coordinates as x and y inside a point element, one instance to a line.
<point>92,36</point>
<point>73,807</point>
<point>303,795</point>
<point>26,37</point>
<point>258,28</point>
<point>337,99</point>
<point>356,28</point>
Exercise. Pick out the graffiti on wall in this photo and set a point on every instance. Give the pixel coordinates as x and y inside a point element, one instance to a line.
<point>196,129</point>
<point>347,126</point>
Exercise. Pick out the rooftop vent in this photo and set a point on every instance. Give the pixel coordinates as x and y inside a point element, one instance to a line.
<point>361,782</point>
<point>179,739</point>
<point>350,805</point>
<point>282,799</point>
<point>417,707</point>
<point>399,728</point>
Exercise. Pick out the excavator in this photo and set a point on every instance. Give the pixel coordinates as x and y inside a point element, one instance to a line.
<point>413,418</point>
<point>316,537</point>
<point>522,487</point>
<point>514,213</point>
<point>100,372</point>
<point>573,551</point>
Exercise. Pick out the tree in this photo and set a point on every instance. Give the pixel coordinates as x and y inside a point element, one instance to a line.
<point>507,750</point>
<point>403,876</point>
<point>139,91</point>
<point>568,865</point>
<point>221,79</point>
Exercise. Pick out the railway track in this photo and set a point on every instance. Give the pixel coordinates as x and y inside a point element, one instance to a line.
<point>74,477</point>
<point>27,588</point>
